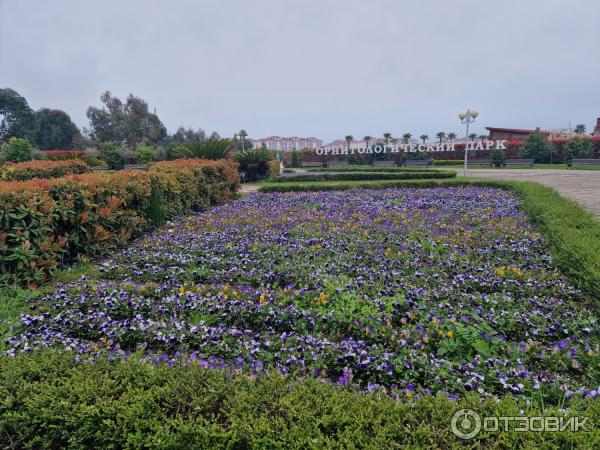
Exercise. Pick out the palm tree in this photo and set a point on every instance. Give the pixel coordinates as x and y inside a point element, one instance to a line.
<point>406,137</point>
<point>349,139</point>
<point>212,149</point>
<point>580,129</point>
<point>367,139</point>
<point>387,137</point>
<point>472,136</point>
<point>451,136</point>
<point>483,136</point>
<point>441,135</point>
<point>242,134</point>
<point>424,137</point>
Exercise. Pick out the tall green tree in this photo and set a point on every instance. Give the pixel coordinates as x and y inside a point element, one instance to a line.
<point>424,137</point>
<point>129,123</point>
<point>184,135</point>
<point>472,136</point>
<point>387,137</point>
<point>54,129</point>
<point>16,117</point>
<point>367,139</point>
<point>579,147</point>
<point>451,136</point>
<point>406,137</point>
<point>580,129</point>
<point>441,135</point>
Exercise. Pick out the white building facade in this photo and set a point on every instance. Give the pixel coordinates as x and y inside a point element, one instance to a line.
<point>288,143</point>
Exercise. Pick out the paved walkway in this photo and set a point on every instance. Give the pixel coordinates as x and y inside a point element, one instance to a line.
<point>583,186</point>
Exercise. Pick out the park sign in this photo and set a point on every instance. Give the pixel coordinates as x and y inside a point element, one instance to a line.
<point>409,148</point>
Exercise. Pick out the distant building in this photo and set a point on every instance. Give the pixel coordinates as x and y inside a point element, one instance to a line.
<point>518,134</point>
<point>287,143</point>
<point>362,144</point>
<point>596,131</point>
<point>511,134</point>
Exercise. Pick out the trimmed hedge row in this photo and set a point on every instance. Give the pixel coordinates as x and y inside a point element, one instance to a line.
<point>349,176</point>
<point>367,168</point>
<point>48,223</point>
<point>42,169</point>
<point>51,401</point>
<point>572,232</point>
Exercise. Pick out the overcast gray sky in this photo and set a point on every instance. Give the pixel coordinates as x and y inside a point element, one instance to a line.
<point>314,67</point>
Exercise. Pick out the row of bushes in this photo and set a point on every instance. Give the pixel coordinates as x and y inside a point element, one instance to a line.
<point>572,232</point>
<point>42,169</point>
<point>349,176</point>
<point>51,401</point>
<point>49,223</point>
<point>367,168</point>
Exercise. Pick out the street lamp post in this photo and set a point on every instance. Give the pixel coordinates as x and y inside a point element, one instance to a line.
<point>467,117</point>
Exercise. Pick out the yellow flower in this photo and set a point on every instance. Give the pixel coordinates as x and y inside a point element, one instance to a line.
<point>450,334</point>
<point>323,298</point>
<point>261,299</point>
<point>590,353</point>
<point>181,290</point>
<point>409,393</point>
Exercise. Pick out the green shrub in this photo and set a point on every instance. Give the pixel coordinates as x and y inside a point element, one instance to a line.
<point>537,147</point>
<point>349,176</point>
<point>498,156</point>
<point>367,168</point>
<point>145,153</point>
<point>447,162</point>
<point>18,150</point>
<point>210,149</point>
<point>113,154</point>
<point>579,147</point>
<point>295,162</point>
<point>47,400</point>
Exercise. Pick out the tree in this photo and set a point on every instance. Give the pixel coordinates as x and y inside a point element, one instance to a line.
<point>295,159</point>
<point>367,139</point>
<point>211,149</point>
<point>441,135</point>
<point>424,137</point>
<point>579,147</point>
<point>349,139</point>
<point>580,129</point>
<point>451,136</point>
<point>406,137</point>
<point>18,150</point>
<point>128,123</point>
<point>113,154</point>
<point>472,136</point>
<point>536,146</point>
<point>145,153</point>
<point>16,117</point>
<point>183,135</point>
<point>54,129</point>
<point>387,137</point>
<point>483,136</point>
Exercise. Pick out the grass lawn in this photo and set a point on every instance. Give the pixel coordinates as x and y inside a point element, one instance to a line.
<point>318,319</point>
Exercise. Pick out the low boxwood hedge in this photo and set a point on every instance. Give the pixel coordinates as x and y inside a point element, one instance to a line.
<point>350,176</point>
<point>52,401</point>
<point>367,168</point>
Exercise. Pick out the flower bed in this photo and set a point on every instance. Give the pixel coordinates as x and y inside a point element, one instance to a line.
<point>411,291</point>
<point>42,169</point>
<point>48,223</point>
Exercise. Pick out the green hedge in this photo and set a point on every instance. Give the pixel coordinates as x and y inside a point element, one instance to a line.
<point>51,401</point>
<point>349,176</point>
<point>366,168</point>
<point>572,232</point>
